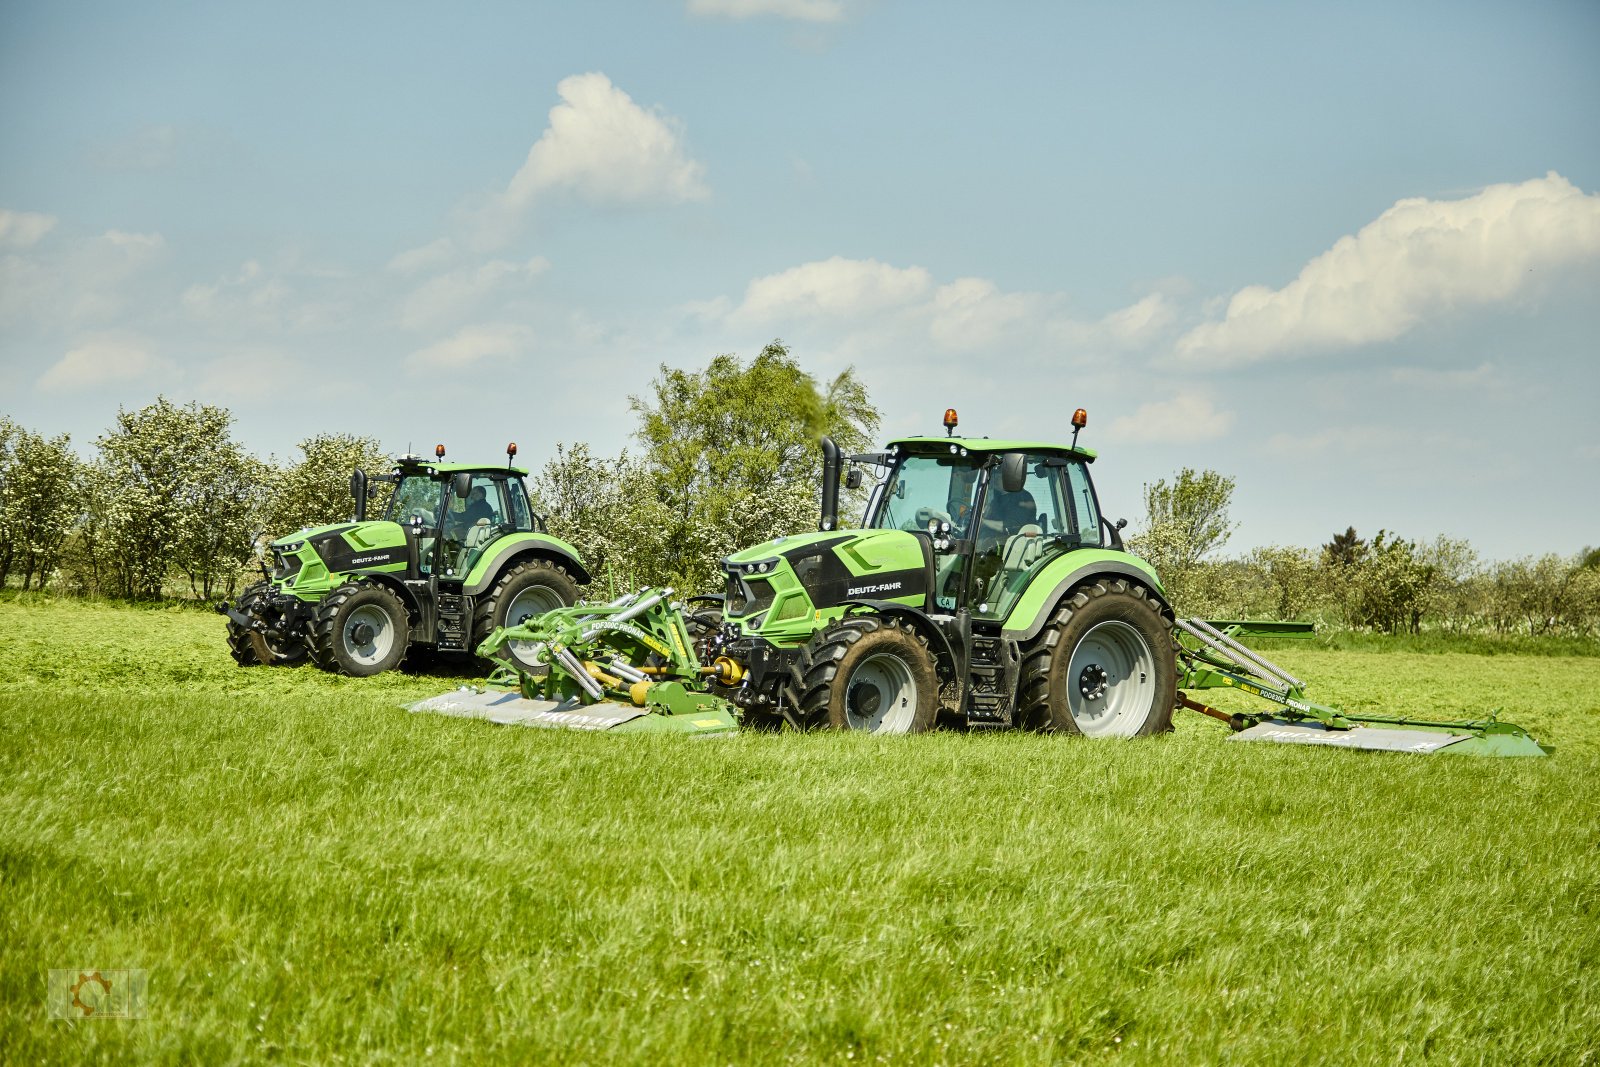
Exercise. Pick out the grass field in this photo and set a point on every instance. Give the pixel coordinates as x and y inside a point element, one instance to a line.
<point>309,874</point>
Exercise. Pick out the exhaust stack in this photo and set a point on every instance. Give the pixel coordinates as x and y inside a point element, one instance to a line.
<point>830,486</point>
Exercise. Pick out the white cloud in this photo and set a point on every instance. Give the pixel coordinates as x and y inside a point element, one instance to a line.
<point>869,308</point>
<point>136,247</point>
<point>471,345</point>
<point>1419,258</point>
<point>834,287</point>
<point>607,149</point>
<point>104,362</point>
<point>458,292</point>
<point>1138,323</point>
<point>971,314</point>
<point>20,229</point>
<point>248,291</point>
<point>431,254</point>
<point>800,10</point>
<point>1186,417</point>
<point>1430,378</point>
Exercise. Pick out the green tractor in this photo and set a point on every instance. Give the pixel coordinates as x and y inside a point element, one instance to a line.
<point>458,554</point>
<point>983,587</point>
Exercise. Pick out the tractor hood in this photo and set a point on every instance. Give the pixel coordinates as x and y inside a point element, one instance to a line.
<point>309,557</point>
<point>777,588</point>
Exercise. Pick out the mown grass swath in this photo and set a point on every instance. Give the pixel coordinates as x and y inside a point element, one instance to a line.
<point>310,874</point>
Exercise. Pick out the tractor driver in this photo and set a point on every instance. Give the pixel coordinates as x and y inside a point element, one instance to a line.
<point>1007,516</point>
<point>478,510</point>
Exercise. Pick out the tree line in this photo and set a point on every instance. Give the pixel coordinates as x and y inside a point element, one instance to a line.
<point>170,504</point>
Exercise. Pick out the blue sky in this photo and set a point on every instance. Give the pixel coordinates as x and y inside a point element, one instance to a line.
<point>1348,254</point>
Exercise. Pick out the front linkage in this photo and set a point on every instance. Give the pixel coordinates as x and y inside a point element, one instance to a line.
<point>628,666</point>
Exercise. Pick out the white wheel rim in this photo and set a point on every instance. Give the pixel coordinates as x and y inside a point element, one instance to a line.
<point>373,645</point>
<point>528,604</point>
<point>881,696</point>
<point>1111,681</point>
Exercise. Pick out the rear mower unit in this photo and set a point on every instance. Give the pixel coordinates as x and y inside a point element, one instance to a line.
<point>458,554</point>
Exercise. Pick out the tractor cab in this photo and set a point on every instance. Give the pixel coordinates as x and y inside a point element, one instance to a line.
<point>994,512</point>
<point>454,513</point>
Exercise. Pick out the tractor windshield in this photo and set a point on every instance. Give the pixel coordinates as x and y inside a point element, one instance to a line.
<point>417,498</point>
<point>926,489</point>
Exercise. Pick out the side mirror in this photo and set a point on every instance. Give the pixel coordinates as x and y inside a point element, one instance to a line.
<point>461,484</point>
<point>1013,472</point>
<point>852,480</point>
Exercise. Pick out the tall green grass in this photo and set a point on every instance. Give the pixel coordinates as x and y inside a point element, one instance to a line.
<point>310,874</point>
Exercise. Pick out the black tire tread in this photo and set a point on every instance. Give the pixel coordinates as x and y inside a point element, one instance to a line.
<point>324,627</point>
<point>814,672</point>
<point>1033,688</point>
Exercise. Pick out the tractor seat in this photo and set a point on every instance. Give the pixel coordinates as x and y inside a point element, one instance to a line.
<point>478,535</point>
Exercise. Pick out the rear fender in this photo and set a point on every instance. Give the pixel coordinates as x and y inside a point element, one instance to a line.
<point>517,547</point>
<point>1037,606</point>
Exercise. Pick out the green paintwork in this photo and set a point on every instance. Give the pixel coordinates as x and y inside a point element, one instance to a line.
<point>1042,592</point>
<point>984,444</point>
<point>639,630</point>
<point>447,469</point>
<point>1202,668</point>
<point>792,616</point>
<point>478,572</point>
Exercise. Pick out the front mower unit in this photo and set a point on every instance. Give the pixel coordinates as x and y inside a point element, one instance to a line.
<point>1211,656</point>
<point>627,666</point>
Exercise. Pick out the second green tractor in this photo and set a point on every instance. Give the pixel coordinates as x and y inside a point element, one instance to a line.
<point>458,554</point>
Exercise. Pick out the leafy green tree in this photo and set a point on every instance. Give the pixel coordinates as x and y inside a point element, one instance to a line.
<point>607,509</point>
<point>732,450</point>
<point>315,489</point>
<point>1184,521</point>
<point>169,490</point>
<point>1545,595</point>
<point>1291,578</point>
<point>37,501</point>
<point>1393,585</point>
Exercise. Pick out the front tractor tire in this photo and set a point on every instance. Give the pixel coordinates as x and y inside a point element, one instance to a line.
<point>530,588</point>
<point>1104,666</point>
<point>360,629</point>
<point>251,648</point>
<point>866,673</point>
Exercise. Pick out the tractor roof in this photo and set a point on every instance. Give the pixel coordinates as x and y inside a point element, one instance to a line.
<point>420,466</point>
<point>984,444</point>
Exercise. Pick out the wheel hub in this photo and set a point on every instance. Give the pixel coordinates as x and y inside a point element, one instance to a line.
<point>1093,682</point>
<point>361,634</point>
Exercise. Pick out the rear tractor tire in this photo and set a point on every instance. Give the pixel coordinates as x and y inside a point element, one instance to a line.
<point>1104,666</point>
<point>252,648</point>
<point>361,629</point>
<point>530,588</point>
<point>866,673</point>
